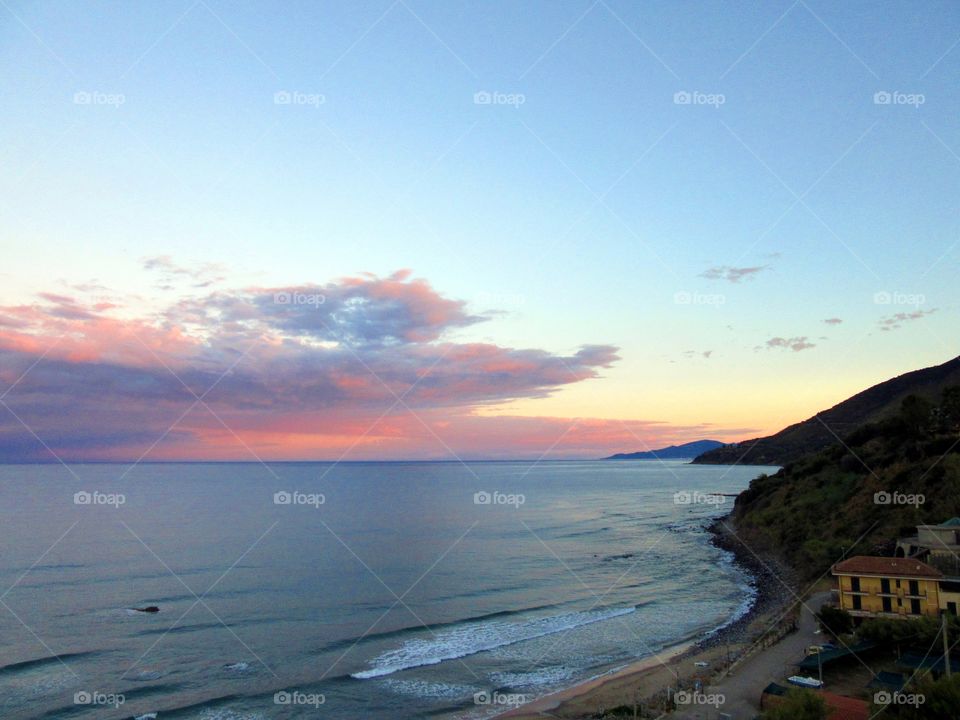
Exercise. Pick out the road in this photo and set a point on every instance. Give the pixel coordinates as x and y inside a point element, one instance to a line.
<point>742,688</point>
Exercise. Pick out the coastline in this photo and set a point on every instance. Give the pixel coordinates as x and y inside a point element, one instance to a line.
<point>645,682</point>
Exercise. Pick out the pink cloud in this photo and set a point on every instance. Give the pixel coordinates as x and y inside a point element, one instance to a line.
<point>364,364</point>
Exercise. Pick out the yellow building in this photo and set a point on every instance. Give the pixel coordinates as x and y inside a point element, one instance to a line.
<point>887,587</point>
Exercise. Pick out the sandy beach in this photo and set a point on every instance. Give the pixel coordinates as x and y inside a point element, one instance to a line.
<point>749,644</point>
<point>638,681</point>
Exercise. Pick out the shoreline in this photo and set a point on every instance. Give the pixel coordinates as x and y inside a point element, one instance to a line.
<point>637,668</point>
<point>645,681</point>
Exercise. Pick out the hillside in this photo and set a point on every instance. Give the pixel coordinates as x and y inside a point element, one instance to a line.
<point>671,452</point>
<point>825,428</point>
<point>837,501</point>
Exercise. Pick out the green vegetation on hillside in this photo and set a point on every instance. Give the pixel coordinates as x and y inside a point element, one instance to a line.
<point>830,504</point>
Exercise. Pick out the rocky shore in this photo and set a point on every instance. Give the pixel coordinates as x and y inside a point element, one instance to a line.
<point>774,584</point>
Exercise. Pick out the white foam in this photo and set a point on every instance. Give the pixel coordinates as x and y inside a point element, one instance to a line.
<point>426,689</point>
<point>535,679</point>
<point>149,675</point>
<point>478,637</point>
<point>224,714</point>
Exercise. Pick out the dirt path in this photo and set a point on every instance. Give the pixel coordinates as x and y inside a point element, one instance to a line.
<point>742,688</point>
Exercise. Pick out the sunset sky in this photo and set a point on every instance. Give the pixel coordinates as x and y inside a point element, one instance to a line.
<point>402,230</point>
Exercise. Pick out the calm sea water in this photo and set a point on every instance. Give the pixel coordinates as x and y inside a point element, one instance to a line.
<point>379,590</point>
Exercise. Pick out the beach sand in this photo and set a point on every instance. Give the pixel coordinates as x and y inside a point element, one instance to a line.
<point>646,681</point>
<point>637,681</point>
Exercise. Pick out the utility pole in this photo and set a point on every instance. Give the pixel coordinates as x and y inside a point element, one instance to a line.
<point>946,648</point>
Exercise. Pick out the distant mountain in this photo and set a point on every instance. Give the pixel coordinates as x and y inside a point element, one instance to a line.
<point>673,452</point>
<point>830,426</point>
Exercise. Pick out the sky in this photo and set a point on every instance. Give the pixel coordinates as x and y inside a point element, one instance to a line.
<point>443,230</point>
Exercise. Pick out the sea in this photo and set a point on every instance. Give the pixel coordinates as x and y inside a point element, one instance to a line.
<point>349,590</point>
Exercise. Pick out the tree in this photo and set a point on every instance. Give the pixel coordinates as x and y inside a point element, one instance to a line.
<point>950,408</point>
<point>928,699</point>
<point>836,621</point>
<point>915,412</point>
<point>798,704</point>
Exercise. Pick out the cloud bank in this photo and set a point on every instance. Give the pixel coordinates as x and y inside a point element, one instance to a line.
<point>361,367</point>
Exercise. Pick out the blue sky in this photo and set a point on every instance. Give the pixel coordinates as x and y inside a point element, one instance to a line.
<point>577,211</point>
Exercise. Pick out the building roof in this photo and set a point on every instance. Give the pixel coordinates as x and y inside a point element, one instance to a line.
<point>952,522</point>
<point>774,689</point>
<point>887,566</point>
<point>841,707</point>
<point>888,681</point>
<point>812,662</point>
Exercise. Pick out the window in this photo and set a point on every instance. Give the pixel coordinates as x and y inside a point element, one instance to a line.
<point>855,584</point>
<point>885,585</point>
<point>914,587</point>
<point>887,605</point>
<point>915,607</point>
<point>856,602</point>
<point>898,584</point>
<point>952,608</point>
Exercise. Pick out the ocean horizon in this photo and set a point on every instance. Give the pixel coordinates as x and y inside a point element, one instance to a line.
<point>400,589</point>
